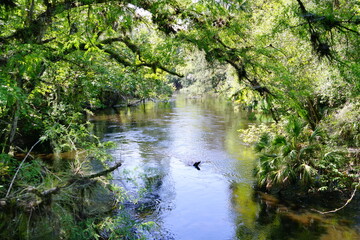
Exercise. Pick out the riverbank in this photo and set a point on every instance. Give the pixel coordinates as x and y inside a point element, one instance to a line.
<point>157,193</point>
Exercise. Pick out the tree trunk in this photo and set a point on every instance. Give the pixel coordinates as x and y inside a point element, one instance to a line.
<point>13,127</point>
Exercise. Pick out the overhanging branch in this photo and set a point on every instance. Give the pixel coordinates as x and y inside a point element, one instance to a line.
<point>103,173</point>
<point>46,195</point>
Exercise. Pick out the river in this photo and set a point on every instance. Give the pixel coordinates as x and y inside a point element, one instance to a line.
<point>158,144</point>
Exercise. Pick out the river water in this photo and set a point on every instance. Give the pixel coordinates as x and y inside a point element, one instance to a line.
<point>158,144</point>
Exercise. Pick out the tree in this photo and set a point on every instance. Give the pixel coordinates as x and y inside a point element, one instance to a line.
<point>60,58</point>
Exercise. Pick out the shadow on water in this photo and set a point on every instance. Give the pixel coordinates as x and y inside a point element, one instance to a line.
<point>267,217</point>
<point>159,143</point>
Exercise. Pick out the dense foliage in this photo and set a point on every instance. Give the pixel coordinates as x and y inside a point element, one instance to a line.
<point>296,60</point>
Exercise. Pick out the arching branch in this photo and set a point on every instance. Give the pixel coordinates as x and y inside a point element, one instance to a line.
<point>343,206</point>
<point>123,60</point>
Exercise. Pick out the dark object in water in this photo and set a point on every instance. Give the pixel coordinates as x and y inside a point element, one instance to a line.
<point>196,165</point>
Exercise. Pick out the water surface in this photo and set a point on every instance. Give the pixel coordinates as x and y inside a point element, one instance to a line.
<point>159,143</point>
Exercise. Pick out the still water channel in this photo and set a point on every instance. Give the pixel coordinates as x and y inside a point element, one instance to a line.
<point>158,144</point>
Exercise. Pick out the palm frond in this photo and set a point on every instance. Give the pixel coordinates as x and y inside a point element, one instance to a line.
<point>285,150</point>
<point>280,176</point>
<point>307,151</point>
<point>294,127</point>
<point>334,157</point>
<point>279,141</point>
<point>306,173</point>
<point>293,155</point>
<point>317,134</point>
<point>263,142</point>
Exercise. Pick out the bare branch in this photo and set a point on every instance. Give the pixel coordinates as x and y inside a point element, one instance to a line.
<point>18,169</point>
<point>349,29</point>
<point>46,194</point>
<point>347,202</point>
<point>103,173</point>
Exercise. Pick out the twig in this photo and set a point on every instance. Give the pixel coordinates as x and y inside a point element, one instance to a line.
<point>347,202</point>
<point>24,151</point>
<point>349,29</point>
<point>18,169</point>
<point>46,169</point>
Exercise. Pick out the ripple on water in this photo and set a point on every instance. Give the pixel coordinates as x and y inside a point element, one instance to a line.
<point>217,202</point>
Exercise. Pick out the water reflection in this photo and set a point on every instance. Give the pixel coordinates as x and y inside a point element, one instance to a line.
<point>159,144</point>
<point>266,217</point>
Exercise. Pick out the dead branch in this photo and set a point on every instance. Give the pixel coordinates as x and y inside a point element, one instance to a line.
<point>347,202</point>
<point>103,173</point>
<point>46,195</point>
<point>18,169</point>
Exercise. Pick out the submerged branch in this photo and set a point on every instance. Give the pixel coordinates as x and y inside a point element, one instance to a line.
<point>343,206</point>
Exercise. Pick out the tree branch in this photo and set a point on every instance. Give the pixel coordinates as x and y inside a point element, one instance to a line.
<point>347,202</point>
<point>43,18</point>
<point>102,173</point>
<point>122,60</point>
<point>135,49</point>
<point>349,29</point>
<point>302,7</point>
<point>46,194</point>
<point>18,169</point>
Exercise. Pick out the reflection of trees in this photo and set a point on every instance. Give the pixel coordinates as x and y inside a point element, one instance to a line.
<point>264,217</point>
<point>245,207</point>
<point>127,117</point>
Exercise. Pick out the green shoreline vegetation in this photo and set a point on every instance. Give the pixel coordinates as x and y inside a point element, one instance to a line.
<point>297,61</point>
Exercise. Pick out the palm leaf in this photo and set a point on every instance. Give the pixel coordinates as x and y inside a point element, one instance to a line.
<point>316,134</point>
<point>306,173</point>
<point>294,127</point>
<point>263,142</point>
<point>279,141</point>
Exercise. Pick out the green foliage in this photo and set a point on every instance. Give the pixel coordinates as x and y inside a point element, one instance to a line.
<point>253,133</point>
<point>293,60</point>
<point>123,227</point>
<point>298,156</point>
<point>344,125</point>
<point>7,169</point>
<point>99,54</point>
<point>31,173</point>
